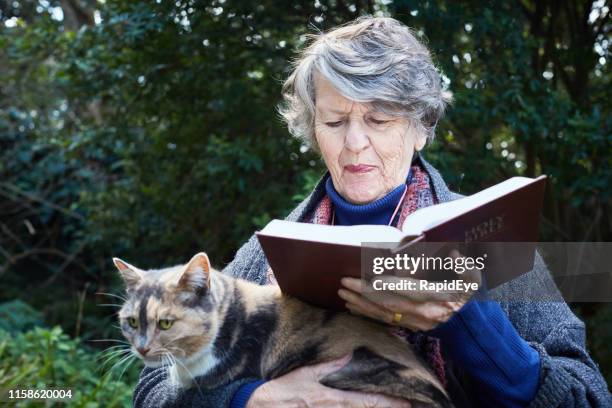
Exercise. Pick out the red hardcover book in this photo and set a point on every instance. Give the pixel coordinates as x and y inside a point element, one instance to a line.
<point>308,260</point>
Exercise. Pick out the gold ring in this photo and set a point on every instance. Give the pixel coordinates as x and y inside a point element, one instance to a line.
<point>396,317</point>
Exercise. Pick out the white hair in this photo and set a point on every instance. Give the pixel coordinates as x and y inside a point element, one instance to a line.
<point>375,60</point>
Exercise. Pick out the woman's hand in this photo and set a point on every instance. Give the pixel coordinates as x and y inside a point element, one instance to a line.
<point>411,309</point>
<point>301,388</point>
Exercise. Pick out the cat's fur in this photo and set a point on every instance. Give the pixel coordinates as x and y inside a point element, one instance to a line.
<point>225,328</point>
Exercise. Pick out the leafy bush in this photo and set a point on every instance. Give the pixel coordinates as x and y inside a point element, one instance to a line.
<point>48,358</point>
<point>18,316</point>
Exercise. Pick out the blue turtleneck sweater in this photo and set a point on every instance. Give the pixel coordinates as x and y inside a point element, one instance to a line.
<point>479,339</point>
<point>377,212</point>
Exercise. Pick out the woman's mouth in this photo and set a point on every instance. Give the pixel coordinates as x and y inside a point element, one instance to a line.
<point>358,168</point>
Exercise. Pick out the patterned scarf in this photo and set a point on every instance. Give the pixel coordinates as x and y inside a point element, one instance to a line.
<point>419,195</point>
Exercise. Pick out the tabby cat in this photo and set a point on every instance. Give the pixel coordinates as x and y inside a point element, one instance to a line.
<point>204,324</point>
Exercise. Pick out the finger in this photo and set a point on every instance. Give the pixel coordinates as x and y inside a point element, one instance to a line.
<point>368,400</point>
<point>318,371</point>
<point>348,295</point>
<point>387,302</point>
<point>397,303</point>
<point>356,309</point>
<point>408,321</point>
<point>357,303</point>
<point>383,301</point>
<point>387,306</point>
<point>415,315</point>
<point>414,295</point>
<point>364,303</point>
<point>431,311</point>
<point>353,284</point>
<point>391,303</point>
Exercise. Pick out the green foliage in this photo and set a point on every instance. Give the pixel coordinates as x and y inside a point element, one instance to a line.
<point>47,358</point>
<point>17,316</point>
<point>531,97</point>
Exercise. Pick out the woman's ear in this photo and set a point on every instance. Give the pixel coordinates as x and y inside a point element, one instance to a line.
<point>420,143</point>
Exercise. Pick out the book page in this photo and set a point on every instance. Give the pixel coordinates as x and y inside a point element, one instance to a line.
<point>429,217</point>
<point>333,234</point>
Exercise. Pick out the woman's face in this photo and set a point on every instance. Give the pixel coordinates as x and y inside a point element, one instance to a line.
<point>368,153</point>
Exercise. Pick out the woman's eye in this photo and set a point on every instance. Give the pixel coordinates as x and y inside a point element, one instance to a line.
<point>333,124</point>
<point>378,121</point>
<point>165,324</point>
<point>132,322</point>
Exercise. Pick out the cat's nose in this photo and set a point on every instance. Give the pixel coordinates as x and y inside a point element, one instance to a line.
<point>143,350</point>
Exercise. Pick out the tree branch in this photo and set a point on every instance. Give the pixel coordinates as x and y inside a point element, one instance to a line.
<point>40,200</point>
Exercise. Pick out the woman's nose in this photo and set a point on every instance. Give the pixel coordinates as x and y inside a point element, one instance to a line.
<point>356,138</point>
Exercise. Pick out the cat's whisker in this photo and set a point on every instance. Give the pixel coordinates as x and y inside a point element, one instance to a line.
<point>122,361</point>
<point>169,345</point>
<point>129,363</point>
<point>111,362</point>
<point>109,304</point>
<point>170,367</point>
<point>121,348</point>
<point>108,350</point>
<point>113,347</point>
<point>173,369</point>
<point>177,338</point>
<point>165,354</point>
<point>115,365</point>
<point>175,350</point>
<point>125,362</point>
<point>113,356</point>
<point>110,357</point>
<point>169,360</point>
<point>163,361</point>
<point>111,294</point>
<point>177,361</point>
<point>111,340</point>
<point>171,342</point>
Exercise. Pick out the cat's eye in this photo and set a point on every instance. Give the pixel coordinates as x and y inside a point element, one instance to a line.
<point>132,322</point>
<point>164,324</point>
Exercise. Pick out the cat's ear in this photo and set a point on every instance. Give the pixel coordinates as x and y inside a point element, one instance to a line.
<point>196,275</point>
<point>130,274</point>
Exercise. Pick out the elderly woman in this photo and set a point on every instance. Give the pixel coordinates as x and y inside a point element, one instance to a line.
<point>368,97</point>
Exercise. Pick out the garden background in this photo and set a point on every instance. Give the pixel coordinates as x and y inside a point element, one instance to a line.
<point>147,130</point>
